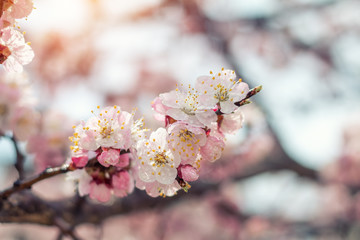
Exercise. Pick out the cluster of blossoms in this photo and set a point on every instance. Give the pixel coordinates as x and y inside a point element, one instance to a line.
<point>102,152</point>
<point>112,151</point>
<point>14,52</point>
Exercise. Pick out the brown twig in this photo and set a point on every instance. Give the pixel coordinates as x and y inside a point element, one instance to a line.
<point>251,93</point>
<point>75,211</point>
<point>246,100</point>
<point>25,184</point>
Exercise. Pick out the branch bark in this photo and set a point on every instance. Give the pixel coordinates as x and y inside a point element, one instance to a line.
<point>20,158</point>
<point>26,184</point>
<point>25,207</point>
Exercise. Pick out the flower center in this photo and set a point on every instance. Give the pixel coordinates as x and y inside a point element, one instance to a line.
<point>190,103</point>
<point>185,135</point>
<point>105,128</point>
<point>160,159</point>
<point>106,131</point>
<point>222,93</point>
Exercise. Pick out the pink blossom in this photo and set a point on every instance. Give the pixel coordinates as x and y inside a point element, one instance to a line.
<point>222,90</point>
<point>232,122</point>
<point>101,183</point>
<point>138,131</point>
<point>21,8</point>
<point>155,189</point>
<point>157,161</point>
<point>212,149</point>
<point>184,105</point>
<point>109,137</point>
<point>109,156</point>
<point>82,178</point>
<point>188,173</point>
<point>83,139</point>
<point>14,52</point>
<point>100,192</point>
<point>80,159</point>
<point>186,140</point>
<point>123,183</point>
<point>111,128</point>
<point>159,108</point>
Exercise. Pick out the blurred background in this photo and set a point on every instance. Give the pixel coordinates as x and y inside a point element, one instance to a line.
<point>292,172</point>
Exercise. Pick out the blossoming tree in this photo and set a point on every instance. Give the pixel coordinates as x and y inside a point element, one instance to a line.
<point>113,152</point>
<point>119,163</point>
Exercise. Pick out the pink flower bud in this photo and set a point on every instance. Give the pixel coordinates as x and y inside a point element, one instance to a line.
<point>80,161</point>
<point>189,173</point>
<point>109,156</point>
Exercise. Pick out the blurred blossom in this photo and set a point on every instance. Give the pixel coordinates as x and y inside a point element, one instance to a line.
<point>50,144</point>
<point>339,198</point>
<point>346,168</point>
<point>257,228</point>
<point>343,15</point>
<point>308,27</point>
<point>273,49</point>
<point>63,59</point>
<point>23,122</point>
<point>17,111</point>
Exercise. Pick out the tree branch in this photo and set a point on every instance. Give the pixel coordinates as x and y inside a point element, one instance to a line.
<point>27,208</point>
<point>64,229</point>
<point>20,158</point>
<point>26,184</point>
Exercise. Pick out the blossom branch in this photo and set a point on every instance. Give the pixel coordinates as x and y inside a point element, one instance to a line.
<point>279,157</point>
<point>251,93</point>
<point>75,211</point>
<point>26,184</point>
<point>246,100</point>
